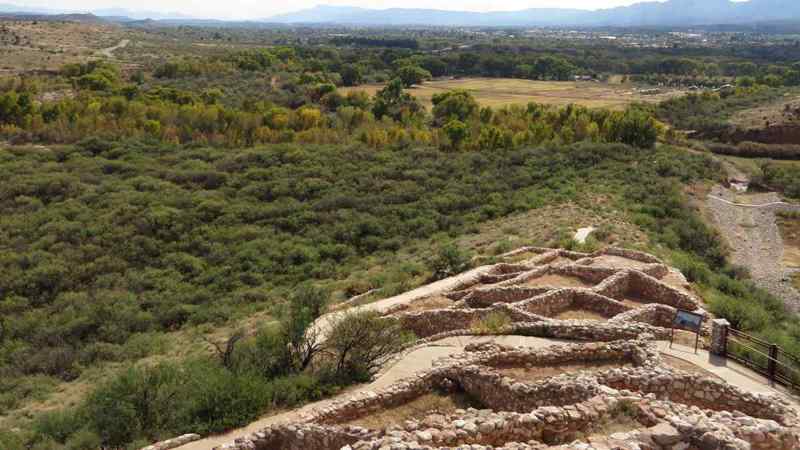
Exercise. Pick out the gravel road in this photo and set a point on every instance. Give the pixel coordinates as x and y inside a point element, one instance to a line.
<point>752,233</point>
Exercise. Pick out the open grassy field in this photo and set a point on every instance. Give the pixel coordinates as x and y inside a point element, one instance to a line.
<point>497,92</point>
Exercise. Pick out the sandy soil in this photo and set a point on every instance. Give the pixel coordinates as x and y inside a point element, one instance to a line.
<point>529,374</point>
<point>556,281</point>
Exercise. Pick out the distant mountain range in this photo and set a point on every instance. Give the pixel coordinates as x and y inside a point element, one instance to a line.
<point>671,13</point>
<point>111,13</point>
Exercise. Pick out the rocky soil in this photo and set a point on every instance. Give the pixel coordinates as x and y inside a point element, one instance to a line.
<point>752,233</point>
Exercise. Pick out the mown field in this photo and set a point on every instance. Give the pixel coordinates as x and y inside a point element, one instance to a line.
<point>498,92</point>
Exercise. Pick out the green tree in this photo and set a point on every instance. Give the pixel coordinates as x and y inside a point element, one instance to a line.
<point>454,105</point>
<point>456,132</point>
<point>392,101</point>
<point>352,74</point>
<point>633,127</point>
<point>363,341</point>
<point>411,75</point>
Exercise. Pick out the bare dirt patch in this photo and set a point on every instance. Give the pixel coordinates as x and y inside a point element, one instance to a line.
<point>434,302</point>
<point>634,300</point>
<point>536,373</point>
<point>620,423</point>
<point>618,262</point>
<point>434,403</point>
<point>579,314</point>
<point>790,233</point>
<point>556,280</point>
<point>686,366</point>
<point>497,92</point>
<point>559,261</point>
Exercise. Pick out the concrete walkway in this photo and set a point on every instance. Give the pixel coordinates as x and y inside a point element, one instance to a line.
<point>423,358</point>
<point>730,371</point>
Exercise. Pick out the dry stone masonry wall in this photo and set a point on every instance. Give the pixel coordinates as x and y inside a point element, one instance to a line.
<point>607,389</point>
<point>664,408</point>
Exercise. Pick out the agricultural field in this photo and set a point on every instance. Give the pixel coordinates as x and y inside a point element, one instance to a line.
<point>498,92</point>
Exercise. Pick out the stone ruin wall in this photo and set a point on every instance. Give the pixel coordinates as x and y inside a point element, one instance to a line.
<point>677,409</point>
<point>544,412</point>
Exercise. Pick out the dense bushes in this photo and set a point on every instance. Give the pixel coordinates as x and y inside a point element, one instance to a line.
<point>146,403</point>
<point>784,177</point>
<point>108,244</point>
<point>707,114</point>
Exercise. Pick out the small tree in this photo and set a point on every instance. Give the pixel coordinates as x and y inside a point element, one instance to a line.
<point>352,74</point>
<point>306,306</point>
<point>411,75</point>
<point>454,105</point>
<point>449,260</point>
<point>225,351</point>
<point>456,132</point>
<point>361,342</point>
<point>633,127</point>
<point>393,102</point>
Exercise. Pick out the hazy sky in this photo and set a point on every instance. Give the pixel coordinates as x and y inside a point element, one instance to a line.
<point>255,9</point>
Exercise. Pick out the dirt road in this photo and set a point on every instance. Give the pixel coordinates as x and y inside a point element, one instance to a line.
<point>750,228</point>
<point>109,52</point>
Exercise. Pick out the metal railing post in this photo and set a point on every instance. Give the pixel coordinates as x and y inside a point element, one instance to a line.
<point>772,366</point>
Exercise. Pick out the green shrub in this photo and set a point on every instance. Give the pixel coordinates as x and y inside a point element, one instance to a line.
<point>449,260</point>
<point>138,402</point>
<point>84,440</point>
<point>492,323</point>
<point>57,425</point>
<point>361,341</point>
<point>216,400</point>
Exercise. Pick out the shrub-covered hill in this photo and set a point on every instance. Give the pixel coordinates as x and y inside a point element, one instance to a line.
<point>105,246</point>
<point>102,242</point>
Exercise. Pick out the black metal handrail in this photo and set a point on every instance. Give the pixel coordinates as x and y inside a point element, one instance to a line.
<point>764,357</point>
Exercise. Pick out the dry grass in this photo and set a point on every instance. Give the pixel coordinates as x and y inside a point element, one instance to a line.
<point>497,92</point>
<point>46,45</point>
<point>555,280</point>
<point>547,226</point>
<point>772,113</point>
<point>790,233</point>
<point>536,373</point>
<point>579,314</point>
<point>417,409</point>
